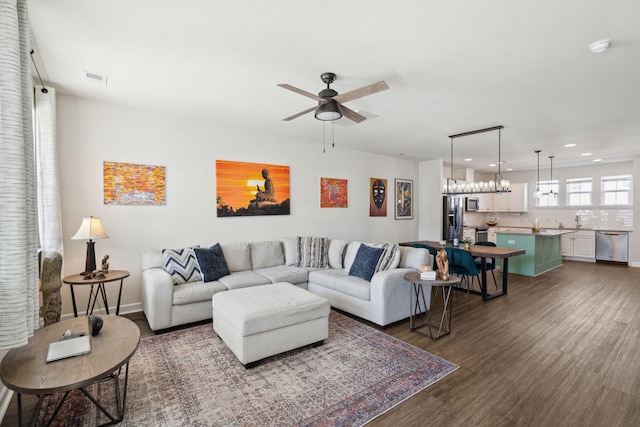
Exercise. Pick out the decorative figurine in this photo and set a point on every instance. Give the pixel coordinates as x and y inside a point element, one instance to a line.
<point>105,264</point>
<point>443,265</point>
<point>95,324</point>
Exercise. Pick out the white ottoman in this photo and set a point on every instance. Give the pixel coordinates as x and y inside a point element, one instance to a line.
<point>262,321</point>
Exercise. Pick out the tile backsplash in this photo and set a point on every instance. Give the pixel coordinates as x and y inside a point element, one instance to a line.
<point>597,219</point>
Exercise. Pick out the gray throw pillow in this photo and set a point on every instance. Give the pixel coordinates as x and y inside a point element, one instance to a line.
<point>365,263</point>
<point>212,263</point>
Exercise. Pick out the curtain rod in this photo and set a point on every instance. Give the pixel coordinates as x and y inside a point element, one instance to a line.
<point>44,89</point>
<point>473,132</point>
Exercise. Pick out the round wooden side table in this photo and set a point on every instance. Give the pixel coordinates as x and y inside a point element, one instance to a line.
<point>437,287</point>
<point>79,279</point>
<point>25,370</point>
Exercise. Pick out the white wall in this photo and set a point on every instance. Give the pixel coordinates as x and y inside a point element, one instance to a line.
<point>91,132</point>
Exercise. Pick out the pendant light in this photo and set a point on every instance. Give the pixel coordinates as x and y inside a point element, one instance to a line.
<point>551,193</point>
<point>537,194</point>
<point>497,185</point>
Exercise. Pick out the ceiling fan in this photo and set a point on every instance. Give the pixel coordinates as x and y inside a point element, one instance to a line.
<point>330,103</point>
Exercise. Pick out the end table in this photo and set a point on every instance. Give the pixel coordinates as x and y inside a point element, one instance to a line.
<point>79,279</point>
<point>437,287</point>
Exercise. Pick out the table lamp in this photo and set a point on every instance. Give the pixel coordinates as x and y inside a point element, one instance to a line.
<point>91,228</point>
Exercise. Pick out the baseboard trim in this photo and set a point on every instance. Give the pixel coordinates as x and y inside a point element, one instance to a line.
<point>124,309</point>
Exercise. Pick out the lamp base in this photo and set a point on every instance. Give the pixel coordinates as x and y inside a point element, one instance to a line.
<point>90,262</point>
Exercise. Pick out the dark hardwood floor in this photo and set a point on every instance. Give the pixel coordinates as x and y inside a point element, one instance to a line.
<point>561,349</point>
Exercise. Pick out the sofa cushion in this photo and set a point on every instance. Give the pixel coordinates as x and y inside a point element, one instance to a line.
<point>182,265</point>
<point>338,280</point>
<point>238,256</point>
<point>266,254</point>
<point>336,252</point>
<point>189,293</point>
<point>413,257</point>
<point>152,259</point>
<point>350,254</point>
<point>312,252</point>
<point>285,273</point>
<point>212,263</point>
<point>366,261</point>
<point>289,245</point>
<point>390,258</point>
<point>243,279</point>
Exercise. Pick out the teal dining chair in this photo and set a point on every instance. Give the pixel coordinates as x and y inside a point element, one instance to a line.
<point>461,263</point>
<point>490,265</point>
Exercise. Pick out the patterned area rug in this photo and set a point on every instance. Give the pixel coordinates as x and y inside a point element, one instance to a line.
<point>190,377</point>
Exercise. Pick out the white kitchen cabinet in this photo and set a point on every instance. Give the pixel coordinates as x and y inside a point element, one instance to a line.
<point>515,201</point>
<point>485,202</point>
<point>581,244</point>
<point>492,234</point>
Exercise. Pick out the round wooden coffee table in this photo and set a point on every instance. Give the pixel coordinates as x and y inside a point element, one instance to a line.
<point>25,370</point>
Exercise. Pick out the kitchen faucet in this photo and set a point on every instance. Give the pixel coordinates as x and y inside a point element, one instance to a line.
<point>578,225</point>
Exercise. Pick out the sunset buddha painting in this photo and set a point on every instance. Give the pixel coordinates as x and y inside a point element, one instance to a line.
<point>244,189</point>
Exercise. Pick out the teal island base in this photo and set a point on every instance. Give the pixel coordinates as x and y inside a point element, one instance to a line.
<point>543,251</point>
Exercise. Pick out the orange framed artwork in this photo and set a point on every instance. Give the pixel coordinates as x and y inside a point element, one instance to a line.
<point>247,189</point>
<point>133,184</point>
<point>333,193</point>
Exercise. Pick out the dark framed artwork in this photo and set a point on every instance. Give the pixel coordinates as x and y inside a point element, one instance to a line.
<point>333,193</point>
<point>247,189</point>
<point>404,199</point>
<point>377,197</point>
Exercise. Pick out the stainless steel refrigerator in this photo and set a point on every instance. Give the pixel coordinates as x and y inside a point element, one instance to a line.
<point>452,211</point>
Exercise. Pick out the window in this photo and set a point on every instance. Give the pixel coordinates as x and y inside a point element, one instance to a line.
<point>549,190</point>
<point>579,192</point>
<point>616,190</point>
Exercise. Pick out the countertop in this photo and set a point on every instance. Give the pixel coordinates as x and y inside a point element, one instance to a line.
<point>543,232</point>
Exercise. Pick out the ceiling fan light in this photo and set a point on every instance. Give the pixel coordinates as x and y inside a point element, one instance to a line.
<point>328,111</point>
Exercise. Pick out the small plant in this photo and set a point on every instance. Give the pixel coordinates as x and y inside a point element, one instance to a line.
<point>467,240</point>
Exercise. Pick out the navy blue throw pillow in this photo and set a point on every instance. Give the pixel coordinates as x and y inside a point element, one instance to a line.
<point>365,263</point>
<point>212,263</point>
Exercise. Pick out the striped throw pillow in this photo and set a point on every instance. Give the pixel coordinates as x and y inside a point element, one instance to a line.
<point>312,252</point>
<point>182,265</point>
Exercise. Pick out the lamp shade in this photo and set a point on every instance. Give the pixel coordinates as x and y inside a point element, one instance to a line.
<point>90,229</point>
<point>328,111</point>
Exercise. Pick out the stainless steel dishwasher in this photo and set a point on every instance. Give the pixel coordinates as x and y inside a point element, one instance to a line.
<point>612,246</point>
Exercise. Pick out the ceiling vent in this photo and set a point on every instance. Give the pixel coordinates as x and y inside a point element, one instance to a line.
<point>94,78</point>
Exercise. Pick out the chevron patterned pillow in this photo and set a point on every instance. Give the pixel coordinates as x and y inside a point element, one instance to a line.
<point>182,265</point>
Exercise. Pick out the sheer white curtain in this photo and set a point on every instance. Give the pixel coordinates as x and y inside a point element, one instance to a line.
<point>49,216</point>
<point>18,199</point>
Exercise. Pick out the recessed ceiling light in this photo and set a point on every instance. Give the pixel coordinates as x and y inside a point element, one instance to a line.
<point>600,46</point>
<point>467,160</point>
<point>597,160</point>
<point>569,145</point>
<point>585,154</point>
<point>509,169</point>
<point>492,165</point>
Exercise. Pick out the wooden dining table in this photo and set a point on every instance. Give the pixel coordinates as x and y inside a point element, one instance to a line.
<point>482,252</point>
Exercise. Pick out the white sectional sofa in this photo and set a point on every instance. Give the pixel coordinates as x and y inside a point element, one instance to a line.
<point>382,300</point>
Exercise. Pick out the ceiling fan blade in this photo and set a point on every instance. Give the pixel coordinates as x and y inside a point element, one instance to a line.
<point>350,114</point>
<point>363,91</point>
<point>300,114</point>
<point>300,91</point>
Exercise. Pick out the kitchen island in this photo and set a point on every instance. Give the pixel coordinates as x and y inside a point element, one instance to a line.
<point>543,250</point>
